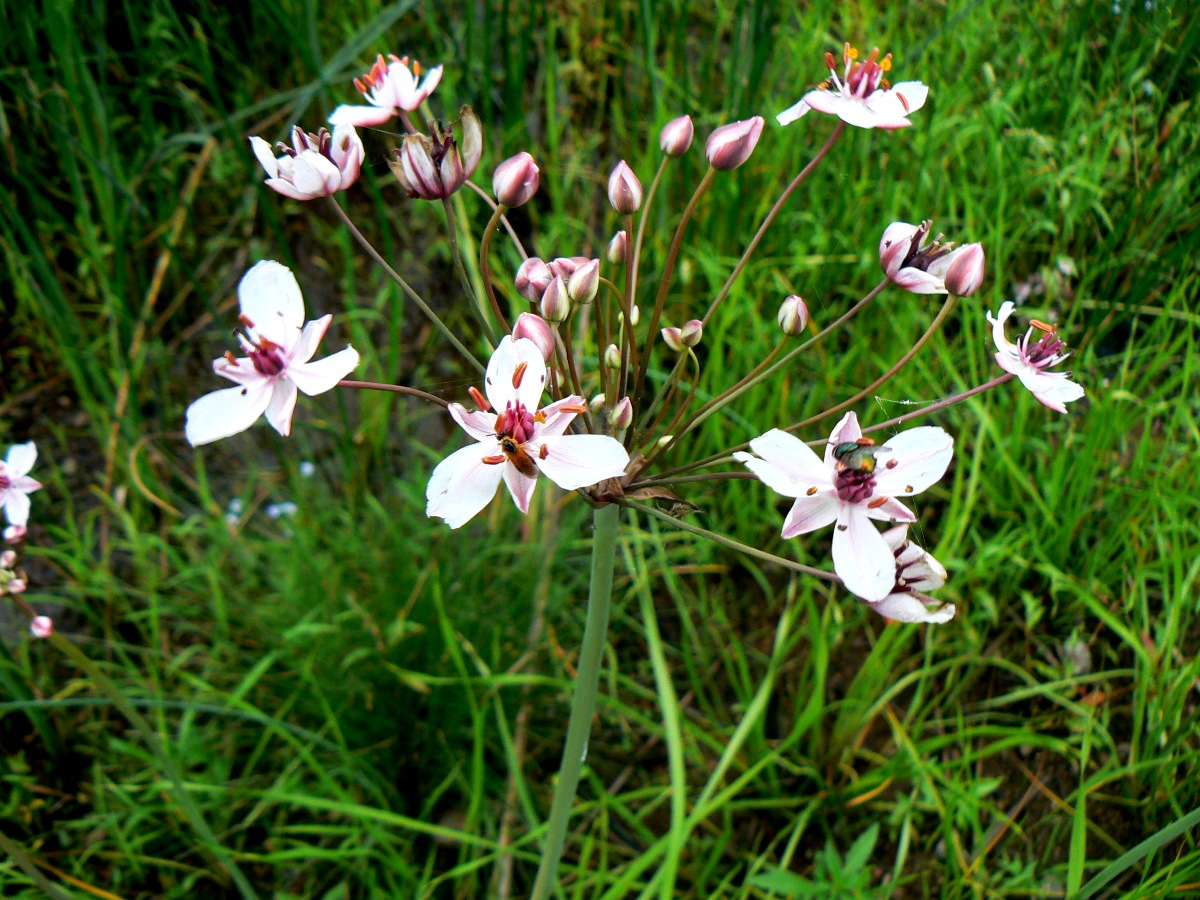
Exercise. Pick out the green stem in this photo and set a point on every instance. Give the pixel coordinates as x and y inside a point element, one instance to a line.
<point>456,251</point>
<point>485,272</point>
<point>186,804</point>
<point>29,867</point>
<point>583,705</point>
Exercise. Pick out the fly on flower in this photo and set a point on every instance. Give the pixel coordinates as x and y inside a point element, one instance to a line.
<point>518,442</point>
<point>860,96</point>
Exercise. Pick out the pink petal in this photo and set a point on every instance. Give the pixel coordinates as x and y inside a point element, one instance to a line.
<point>829,102</point>
<point>891,510</point>
<point>915,94</point>
<point>855,112</point>
<point>226,412</point>
<point>270,298</point>
<point>289,190</point>
<point>462,485</point>
<point>557,421</point>
<point>810,513</point>
<point>579,460</point>
<point>916,281</point>
<point>283,404</point>
<point>315,175</point>
<point>1053,389</point>
<point>310,338</point>
<point>519,486</point>
<point>479,425</point>
<point>921,456</point>
<point>241,370</point>
<point>907,608</point>
<point>361,116</point>
<point>861,557</point>
<point>323,375</point>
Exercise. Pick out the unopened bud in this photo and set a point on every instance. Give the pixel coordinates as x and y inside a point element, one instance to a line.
<point>731,145</point>
<point>16,586</point>
<point>556,305</point>
<point>673,337</point>
<point>965,274</point>
<point>793,316</point>
<point>618,248</point>
<point>691,332</point>
<point>532,279</point>
<point>566,265</point>
<point>41,627</point>
<point>14,534</point>
<point>624,189</point>
<point>676,136</point>
<point>622,414</point>
<point>537,330</point>
<point>597,403</point>
<point>585,282</point>
<point>516,180</point>
<point>8,559</point>
<point>635,316</point>
<point>472,140</point>
<point>612,356</point>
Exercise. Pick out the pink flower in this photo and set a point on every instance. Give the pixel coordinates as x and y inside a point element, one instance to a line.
<point>16,486</point>
<point>277,363</point>
<point>388,88</point>
<point>856,482</point>
<point>1029,359</point>
<point>922,268</point>
<point>41,626</point>
<point>731,145</point>
<point>917,572</point>
<point>316,165</point>
<point>517,445</point>
<point>861,96</point>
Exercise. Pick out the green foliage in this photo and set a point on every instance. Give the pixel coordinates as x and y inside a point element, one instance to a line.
<point>365,704</point>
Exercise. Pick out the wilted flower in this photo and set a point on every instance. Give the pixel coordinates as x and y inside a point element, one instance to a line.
<point>731,145</point>
<point>926,268</point>
<point>856,482</point>
<point>16,486</point>
<point>676,136</point>
<point>41,626</point>
<point>624,189</point>
<point>516,180</point>
<point>517,445</point>
<point>534,328</point>
<point>277,364</point>
<point>316,165</point>
<point>861,97</point>
<point>388,87</point>
<point>1029,359</point>
<point>917,572</point>
<point>433,167</point>
<point>793,316</point>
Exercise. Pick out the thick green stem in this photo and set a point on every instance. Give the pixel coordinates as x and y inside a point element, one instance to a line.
<point>186,804</point>
<point>583,705</point>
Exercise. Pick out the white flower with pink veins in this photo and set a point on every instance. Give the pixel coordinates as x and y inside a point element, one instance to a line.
<point>855,482</point>
<point>861,97</point>
<point>519,442</point>
<point>277,364</point>
<point>1029,359</point>
<point>15,483</point>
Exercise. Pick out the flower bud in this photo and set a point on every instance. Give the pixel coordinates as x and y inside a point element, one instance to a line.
<point>731,145</point>
<point>16,586</point>
<point>622,414</point>
<point>635,316</point>
<point>516,180</point>
<point>585,282</point>
<point>673,337</point>
<point>691,332</point>
<point>676,136</point>
<point>472,140</point>
<point>566,265</point>
<point>556,304</point>
<point>537,330</point>
<point>532,279</point>
<point>965,274</point>
<point>41,627</point>
<point>14,534</point>
<point>793,316</point>
<point>612,356</point>
<point>8,559</point>
<point>624,190</point>
<point>618,248</point>
<point>597,403</point>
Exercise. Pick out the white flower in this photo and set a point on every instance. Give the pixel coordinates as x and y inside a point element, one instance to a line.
<point>860,96</point>
<point>856,482</point>
<point>316,165</point>
<point>917,572</point>
<point>16,485</point>
<point>1029,359</point>
<point>517,445</point>
<point>277,364</point>
<point>388,87</point>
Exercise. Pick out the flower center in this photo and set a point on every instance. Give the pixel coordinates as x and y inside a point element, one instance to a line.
<point>1048,350</point>
<point>922,258</point>
<point>5,483</point>
<point>514,427</point>
<point>267,356</point>
<point>860,79</point>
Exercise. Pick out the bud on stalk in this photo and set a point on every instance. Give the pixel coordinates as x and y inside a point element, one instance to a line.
<point>532,279</point>
<point>676,136</point>
<point>793,316</point>
<point>624,190</point>
<point>584,283</point>
<point>731,145</point>
<point>556,304</point>
<point>516,180</point>
<point>536,329</point>
<point>617,248</point>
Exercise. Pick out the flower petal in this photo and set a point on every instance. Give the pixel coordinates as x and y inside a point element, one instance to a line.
<point>791,457</point>
<point>846,431</point>
<point>20,459</point>
<point>265,156</point>
<point>915,94</point>
<point>855,112</point>
<point>907,608</point>
<point>270,298</point>
<point>361,116</point>
<point>226,412</point>
<point>323,375</point>
<point>479,425</point>
<point>921,457</point>
<point>579,460</point>
<point>793,112</point>
<point>310,338</point>
<point>1003,344</point>
<point>282,406</point>
<point>825,101</point>
<point>861,557</point>
<point>1052,389</point>
<point>16,507</point>
<point>462,485</point>
<point>519,486</point>
<point>891,510</point>
<point>916,281</point>
<point>810,513</point>
<point>498,380</point>
<point>558,421</point>
<point>315,175</point>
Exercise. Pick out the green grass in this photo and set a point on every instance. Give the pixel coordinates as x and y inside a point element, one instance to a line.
<point>364,704</point>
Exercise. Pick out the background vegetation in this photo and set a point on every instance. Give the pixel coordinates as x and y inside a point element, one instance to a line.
<point>364,704</point>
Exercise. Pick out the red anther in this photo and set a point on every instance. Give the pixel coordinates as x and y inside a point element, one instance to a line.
<point>519,374</point>
<point>1043,326</point>
<point>810,491</point>
<point>872,57</point>
<point>359,86</point>
<point>245,320</point>
<point>865,442</point>
<point>830,62</point>
<point>891,464</point>
<point>573,408</point>
<point>480,400</point>
<point>502,423</point>
<point>543,452</point>
<point>877,502</point>
<point>494,460</point>
<point>903,101</point>
<point>230,358</point>
<point>416,69</point>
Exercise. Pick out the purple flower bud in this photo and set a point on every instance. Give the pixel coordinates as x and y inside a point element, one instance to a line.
<point>676,136</point>
<point>673,337</point>
<point>516,180</point>
<point>731,145</point>
<point>691,332</point>
<point>624,190</point>
<point>16,586</point>
<point>41,627</point>
<point>8,559</point>
<point>537,330</point>
<point>612,356</point>
<point>566,265</point>
<point>556,303</point>
<point>532,279</point>
<point>14,534</point>
<point>618,248</point>
<point>965,274</point>
<point>793,316</point>
<point>622,414</point>
<point>585,282</point>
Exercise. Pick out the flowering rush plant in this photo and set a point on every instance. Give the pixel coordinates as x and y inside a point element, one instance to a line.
<point>583,382</point>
